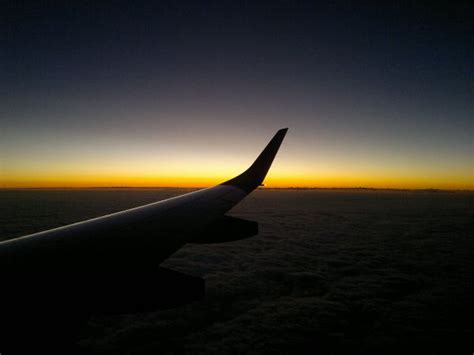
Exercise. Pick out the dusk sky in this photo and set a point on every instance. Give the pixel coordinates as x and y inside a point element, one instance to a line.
<point>188,93</point>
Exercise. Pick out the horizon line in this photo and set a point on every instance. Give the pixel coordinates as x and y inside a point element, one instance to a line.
<point>367,188</point>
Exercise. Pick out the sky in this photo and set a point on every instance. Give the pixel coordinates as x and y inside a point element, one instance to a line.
<point>188,93</point>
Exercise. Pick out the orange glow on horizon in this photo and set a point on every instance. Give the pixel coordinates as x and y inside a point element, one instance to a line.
<point>273,180</point>
<point>180,170</point>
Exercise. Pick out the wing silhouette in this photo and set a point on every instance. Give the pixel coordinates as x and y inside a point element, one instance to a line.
<point>111,264</point>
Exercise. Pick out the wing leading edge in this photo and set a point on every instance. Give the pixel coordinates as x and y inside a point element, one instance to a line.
<point>111,264</point>
<point>205,205</point>
<point>140,238</point>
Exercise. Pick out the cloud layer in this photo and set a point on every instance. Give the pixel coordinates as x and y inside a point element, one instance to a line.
<point>330,272</point>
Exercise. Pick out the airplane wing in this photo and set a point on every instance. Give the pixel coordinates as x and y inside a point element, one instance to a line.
<point>112,263</point>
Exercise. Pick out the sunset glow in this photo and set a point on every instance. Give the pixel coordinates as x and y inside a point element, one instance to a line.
<point>189,98</point>
<point>279,177</point>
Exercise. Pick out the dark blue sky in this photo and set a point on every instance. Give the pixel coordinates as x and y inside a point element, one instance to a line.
<point>375,94</point>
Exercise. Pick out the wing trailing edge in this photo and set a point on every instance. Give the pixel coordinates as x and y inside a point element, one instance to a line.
<point>255,174</point>
<point>227,229</point>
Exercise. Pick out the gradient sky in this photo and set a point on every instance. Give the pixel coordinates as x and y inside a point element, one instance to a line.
<point>188,93</point>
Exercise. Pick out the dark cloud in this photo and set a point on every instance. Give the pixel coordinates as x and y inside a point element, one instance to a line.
<point>330,272</point>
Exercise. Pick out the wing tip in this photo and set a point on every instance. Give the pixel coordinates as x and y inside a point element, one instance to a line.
<point>255,174</point>
<point>282,132</point>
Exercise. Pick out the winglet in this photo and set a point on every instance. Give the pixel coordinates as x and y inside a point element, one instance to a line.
<point>254,176</point>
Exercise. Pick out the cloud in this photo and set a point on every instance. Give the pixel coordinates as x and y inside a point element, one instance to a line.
<point>333,272</point>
